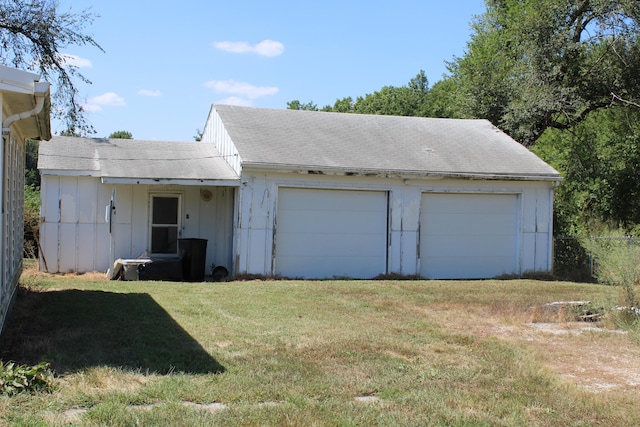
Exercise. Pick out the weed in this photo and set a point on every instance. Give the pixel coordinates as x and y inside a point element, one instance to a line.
<point>617,262</point>
<point>16,379</point>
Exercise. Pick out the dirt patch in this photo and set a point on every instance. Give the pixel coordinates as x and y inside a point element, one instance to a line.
<point>31,273</point>
<point>587,354</point>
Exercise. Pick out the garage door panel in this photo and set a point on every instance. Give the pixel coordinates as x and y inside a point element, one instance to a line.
<point>329,267</point>
<point>328,200</point>
<point>309,221</point>
<point>304,245</point>
<point>469,246</point>
<point>327,233</point>
<point>482,268</point>
<point>459,203</point>
<point>468,235</point>
<point>469,224</point>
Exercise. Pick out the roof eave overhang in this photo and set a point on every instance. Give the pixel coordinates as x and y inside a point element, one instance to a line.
<point>404,174</point>
<point>146,181</point>
<point>43,118</point>
<point>67,172</point>
<point>172,181</point>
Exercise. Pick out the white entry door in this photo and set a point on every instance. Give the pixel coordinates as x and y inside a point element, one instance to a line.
<point>331,233</point>
<point>165,224</point>
<point>468,235</point>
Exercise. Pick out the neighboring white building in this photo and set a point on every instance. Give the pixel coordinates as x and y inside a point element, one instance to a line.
<point>305,194</point>
<point>25,115</point>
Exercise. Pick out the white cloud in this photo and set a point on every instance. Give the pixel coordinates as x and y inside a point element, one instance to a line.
<point>235,100</point>
<point>268,48</point>
<point>240,88</point>
<point>75,60</point>
<point>109,99</point>
<point>148,92</point>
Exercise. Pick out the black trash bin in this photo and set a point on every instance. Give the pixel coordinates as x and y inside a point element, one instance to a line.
<point>193,253</point>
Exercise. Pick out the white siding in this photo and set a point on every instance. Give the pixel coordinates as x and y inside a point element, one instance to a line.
<point>215,133</point>
<point>255,234</point>
<point>240,224</point>
<point>75,236</point>
<point>12,222</point>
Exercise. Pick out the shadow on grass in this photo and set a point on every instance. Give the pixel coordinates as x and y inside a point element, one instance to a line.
<point>76,329</point>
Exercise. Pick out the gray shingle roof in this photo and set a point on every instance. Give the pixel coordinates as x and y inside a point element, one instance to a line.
<point>358,142</point>
<point>133,159</point>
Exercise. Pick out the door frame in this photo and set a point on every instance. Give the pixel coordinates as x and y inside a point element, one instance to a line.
<point>179,226</point>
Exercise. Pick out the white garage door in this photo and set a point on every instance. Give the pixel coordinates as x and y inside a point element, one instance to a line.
<point>468,235</point>
<point>331,233</point>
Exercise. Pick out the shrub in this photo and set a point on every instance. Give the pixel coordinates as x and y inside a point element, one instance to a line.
<point>15,379</point>
<point>617,262</point>
<point>31,220</point>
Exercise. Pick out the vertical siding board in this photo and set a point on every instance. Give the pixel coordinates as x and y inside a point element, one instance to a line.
<point>50,205</point>
<point>215,224</point>
<point>87,201</point>
<point>528,259</point>
<point>87,207</point>
<point>412,198</point>
<point>215,132</point>
<point>68,200</point>
<point>529,207</point>
<point>139,220</point>
<point>542,210</point>
<point>12,220</point>
<point>260,233</point>
<point>86,247</point>
<point>49,223</point>
<point>102,250</point>
<point>191,225</point>
<point>541,259</point>
<point>225,232</point>
<point>67,248</point>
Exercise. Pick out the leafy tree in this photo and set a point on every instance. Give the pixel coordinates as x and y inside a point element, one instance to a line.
<point>121,134</point>
<point>198,135</point>
<point>599,160</point>
<point>297,105</point>
<point>443,100</point>
<point>409,100</point>
<point>31,173</point>
<point>538,64</point>
<point>31,220</point>
<point>33,34</point>
<point>390,100</point>
<point>344,105</point>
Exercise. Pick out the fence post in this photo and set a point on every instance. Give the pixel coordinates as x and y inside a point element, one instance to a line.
<point>590,255</point>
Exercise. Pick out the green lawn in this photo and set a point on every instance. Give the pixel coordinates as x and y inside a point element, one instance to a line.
<point>347,353</point>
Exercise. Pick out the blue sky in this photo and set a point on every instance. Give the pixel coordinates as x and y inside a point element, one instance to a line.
<point>166,62</point>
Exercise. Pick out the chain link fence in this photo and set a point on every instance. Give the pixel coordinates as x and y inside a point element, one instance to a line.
<point>571,261</point>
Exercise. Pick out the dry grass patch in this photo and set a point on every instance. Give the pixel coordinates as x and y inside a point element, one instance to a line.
<point>593,355</point>
<point>319,353</point>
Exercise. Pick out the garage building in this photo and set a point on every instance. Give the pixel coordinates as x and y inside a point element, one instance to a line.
<point>307,194</point>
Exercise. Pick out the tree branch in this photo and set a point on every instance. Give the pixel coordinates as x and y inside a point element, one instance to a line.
<point>616,97</point>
